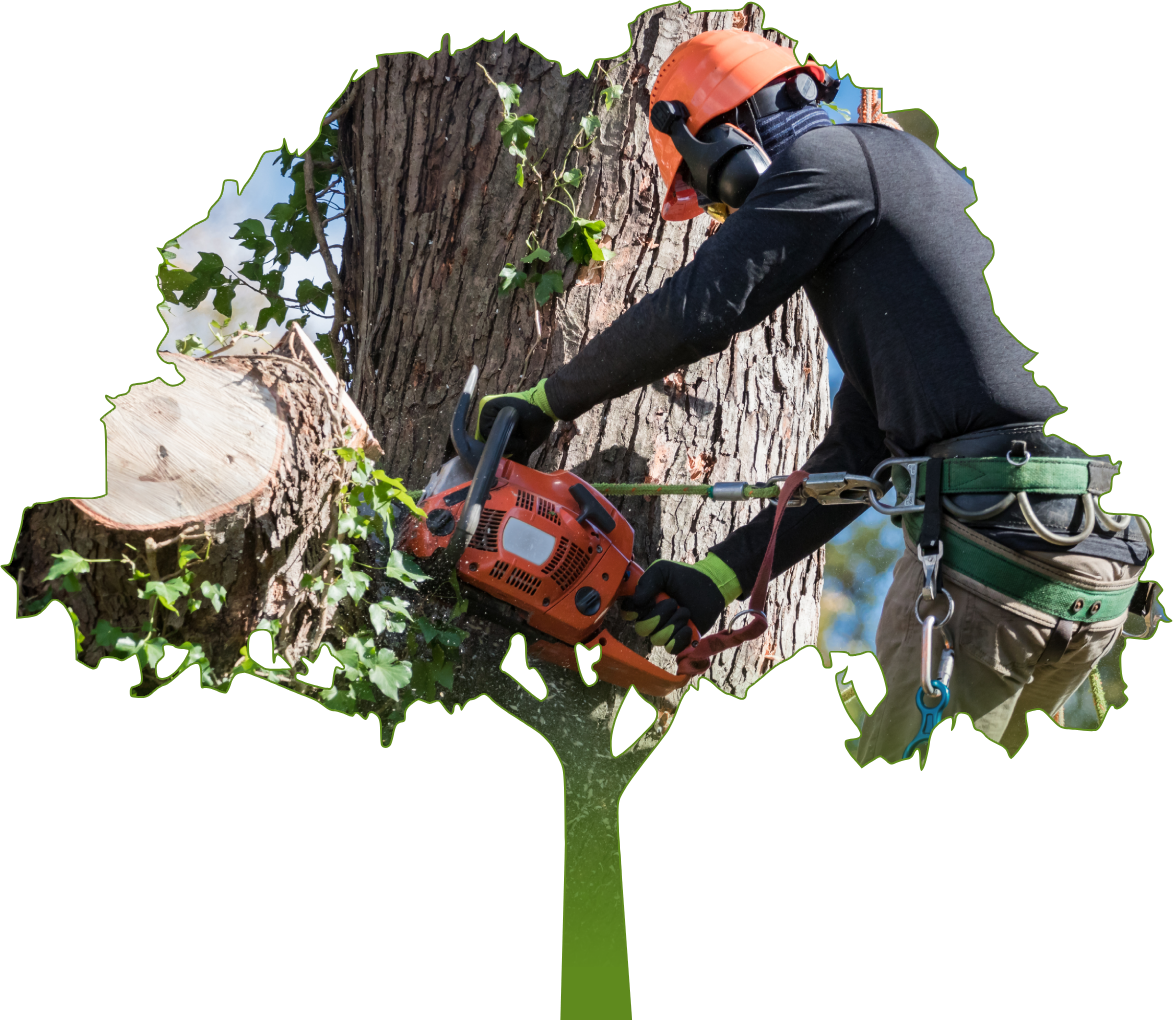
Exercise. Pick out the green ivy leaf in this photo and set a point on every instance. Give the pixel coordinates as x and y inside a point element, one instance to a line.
<point>216,593</point>
<point>166,591</point>
<point>309,293</point>
<point>573,177</point>
<point>338,700</point>
<point>517,132</point>
<point>539,254</point>
<point>403,569</point>
<point>68,562</point>
<point>173,281</point>
<point>610,94</point>
<point>188,344</point>
<point>510,95</point>
<point>107,635</point>
<point>389,674</point>
<point>580,241</point>
<point>302,239</point>
<point>223,300</point>
<point>274,312</point>
<point>186,555</point>
<point>549,284</point>
<point>590,124</point>
<point>128,644</point>
<point>511,278</point>
<point>356,583</point>
<point>519,175</point>
<point>153,649</point>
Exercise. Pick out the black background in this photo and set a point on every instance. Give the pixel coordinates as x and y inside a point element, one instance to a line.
<point>751,816</point>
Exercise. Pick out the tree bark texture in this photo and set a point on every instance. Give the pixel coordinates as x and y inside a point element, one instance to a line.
<point>434,213</point>
<point>259,546</point>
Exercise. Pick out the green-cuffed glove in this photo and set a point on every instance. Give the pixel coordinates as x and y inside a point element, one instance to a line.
<point>697,591</point>
<point>535,419</point>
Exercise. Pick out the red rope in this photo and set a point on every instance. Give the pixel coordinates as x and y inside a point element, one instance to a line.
<point>695,659</point>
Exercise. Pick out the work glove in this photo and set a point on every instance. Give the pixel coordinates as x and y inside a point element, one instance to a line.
<point>535,420</point>
<point>697,591</point>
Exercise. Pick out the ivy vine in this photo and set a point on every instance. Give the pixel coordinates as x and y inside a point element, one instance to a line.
<point>580,241</point>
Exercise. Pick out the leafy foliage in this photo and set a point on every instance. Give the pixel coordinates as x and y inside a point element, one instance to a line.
<point>271,249</point>
<point>403,656</point>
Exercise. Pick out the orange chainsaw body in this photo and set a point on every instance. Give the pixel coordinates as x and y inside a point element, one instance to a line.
<point>537,550</point>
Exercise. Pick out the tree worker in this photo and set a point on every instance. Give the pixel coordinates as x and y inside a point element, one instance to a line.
<point>1033,589</point>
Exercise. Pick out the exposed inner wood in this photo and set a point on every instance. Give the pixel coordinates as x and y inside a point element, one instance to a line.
<point>188,452</point>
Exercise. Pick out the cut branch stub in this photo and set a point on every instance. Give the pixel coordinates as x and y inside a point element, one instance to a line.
<point>239,459</point>
<point>177,454</point>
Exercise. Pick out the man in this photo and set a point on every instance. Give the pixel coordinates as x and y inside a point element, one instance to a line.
<point>872,223</point>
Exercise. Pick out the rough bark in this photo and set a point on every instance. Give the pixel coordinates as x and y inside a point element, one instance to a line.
<point>434,213</point>
<point>259,545</point>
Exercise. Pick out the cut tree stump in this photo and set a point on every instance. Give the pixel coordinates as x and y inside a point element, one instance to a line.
<point>239,458</point>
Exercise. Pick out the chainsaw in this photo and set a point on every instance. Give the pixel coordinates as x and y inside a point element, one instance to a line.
<point>548,545</point>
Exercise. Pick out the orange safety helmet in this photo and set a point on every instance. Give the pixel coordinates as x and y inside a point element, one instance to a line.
<point>712,73</point>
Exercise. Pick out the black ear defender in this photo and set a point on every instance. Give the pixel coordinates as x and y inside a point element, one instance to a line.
<point>724,162</point>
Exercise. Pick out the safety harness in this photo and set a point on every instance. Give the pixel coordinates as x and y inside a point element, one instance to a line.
<point>929,492</point>
<point>924,487</point>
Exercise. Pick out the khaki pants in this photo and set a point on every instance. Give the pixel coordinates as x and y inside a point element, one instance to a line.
<point>998,642</point>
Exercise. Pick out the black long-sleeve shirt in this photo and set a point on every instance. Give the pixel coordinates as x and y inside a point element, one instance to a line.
<point>872,223</point>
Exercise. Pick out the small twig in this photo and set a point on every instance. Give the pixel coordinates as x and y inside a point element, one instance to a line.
<point>341,111</point>
<point>311,205</point>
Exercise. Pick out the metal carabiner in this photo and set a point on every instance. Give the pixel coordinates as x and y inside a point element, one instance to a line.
<point>930,686</point>
<point>909,503</point>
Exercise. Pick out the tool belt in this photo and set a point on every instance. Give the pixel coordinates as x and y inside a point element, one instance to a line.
<point>1021,480</point>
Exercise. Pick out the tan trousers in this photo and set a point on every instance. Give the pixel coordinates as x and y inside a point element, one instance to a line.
<point>998,642</point>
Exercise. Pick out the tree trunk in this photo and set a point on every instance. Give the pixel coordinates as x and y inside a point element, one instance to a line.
<point>434,213</point>
<point>236,462</point>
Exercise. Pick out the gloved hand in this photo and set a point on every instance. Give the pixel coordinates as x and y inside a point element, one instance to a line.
<point>697,591</point>
<point>535,419</point>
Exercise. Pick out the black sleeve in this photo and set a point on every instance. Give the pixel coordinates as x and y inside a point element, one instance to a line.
<point>796,217</point>
<point>853,443</point>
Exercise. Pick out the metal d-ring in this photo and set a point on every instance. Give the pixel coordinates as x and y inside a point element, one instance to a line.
<point>738,616</point>
<point>954,510</point>
<point>1111,523</point>
<point>1037,526</point>
<point>948,615</point>
<point>1017,463</point>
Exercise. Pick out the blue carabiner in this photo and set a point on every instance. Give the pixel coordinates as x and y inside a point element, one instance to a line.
<point>929,717</point>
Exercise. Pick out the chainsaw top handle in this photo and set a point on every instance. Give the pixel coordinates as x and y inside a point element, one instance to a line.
<point>469,450</point>
<point>488,458</point>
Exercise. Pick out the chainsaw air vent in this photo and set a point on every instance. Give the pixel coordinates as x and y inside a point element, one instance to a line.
<point>527,583</point>
<point>548,510</point>
<point>525,500</point>
<point>485,538</point>
<point>567,564</point>
<point>499,570</point>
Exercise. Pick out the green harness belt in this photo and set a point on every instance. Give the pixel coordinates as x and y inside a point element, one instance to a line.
<point>1061,599</point>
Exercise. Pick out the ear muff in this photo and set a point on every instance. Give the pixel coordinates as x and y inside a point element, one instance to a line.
<point>724,162</point>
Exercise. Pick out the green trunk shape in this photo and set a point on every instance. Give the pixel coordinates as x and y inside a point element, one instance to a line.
<point>595,984</point>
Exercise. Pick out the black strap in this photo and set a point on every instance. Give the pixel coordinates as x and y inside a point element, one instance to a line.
<point>1057,643</point>
<point>930,531</point>
<point>1142,601</point>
